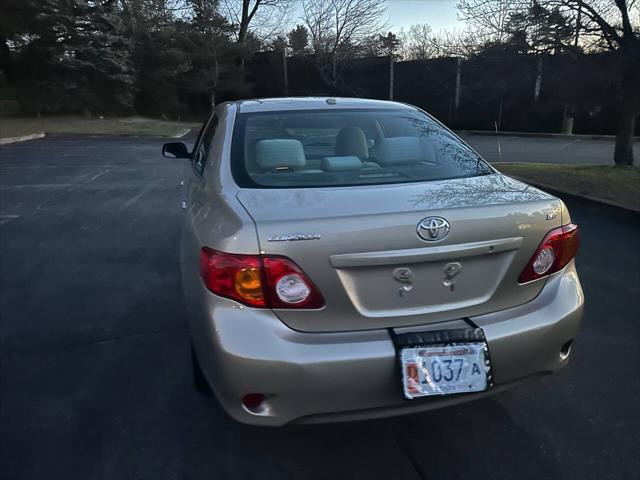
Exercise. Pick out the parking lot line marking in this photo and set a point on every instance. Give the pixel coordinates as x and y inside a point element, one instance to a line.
<point>57,165</point>
<point>99,174</point>
<point>569,144</point>
<point>37,185</point>
<point>5,218</point>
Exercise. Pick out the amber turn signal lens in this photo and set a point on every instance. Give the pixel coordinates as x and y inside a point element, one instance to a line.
<point>248,284</point>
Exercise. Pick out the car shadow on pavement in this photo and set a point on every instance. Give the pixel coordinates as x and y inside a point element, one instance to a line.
<point>447,443</point>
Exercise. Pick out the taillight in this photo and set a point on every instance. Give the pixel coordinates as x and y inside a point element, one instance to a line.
<point>557,249</point>
<point>233,276</point>
<point>288,286</point>
<point>258,280</point>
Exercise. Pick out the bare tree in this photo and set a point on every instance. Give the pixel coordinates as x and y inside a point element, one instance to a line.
<point>317,18</point>
<point>489,17</point>
<point>420,42</point>
<point>456,43</point>
<point>336,25</point>
<point>265,17</point>
<point>614,25</point>
<point>417,42</point>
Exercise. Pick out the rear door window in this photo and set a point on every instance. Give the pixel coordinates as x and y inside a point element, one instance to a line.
<point>295,149</point>
<point>203,145</point>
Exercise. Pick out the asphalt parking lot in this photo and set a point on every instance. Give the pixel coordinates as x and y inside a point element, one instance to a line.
<point>95,379</point>
<point>577,149</point>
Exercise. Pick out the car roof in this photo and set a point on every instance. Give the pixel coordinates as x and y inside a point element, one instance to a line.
<point>312,103</point>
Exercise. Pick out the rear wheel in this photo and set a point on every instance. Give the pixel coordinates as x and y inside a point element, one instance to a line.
<point>199,380</point>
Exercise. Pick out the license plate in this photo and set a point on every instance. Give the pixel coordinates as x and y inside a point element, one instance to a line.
<point>444,370</point>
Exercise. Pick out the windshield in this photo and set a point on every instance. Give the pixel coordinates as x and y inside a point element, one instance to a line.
<point>293,149</point>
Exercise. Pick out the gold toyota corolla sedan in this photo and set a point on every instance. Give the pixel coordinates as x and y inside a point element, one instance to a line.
<point>347,259</point>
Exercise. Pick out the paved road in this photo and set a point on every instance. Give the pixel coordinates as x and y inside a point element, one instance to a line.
<point>95,378</point>
<point>577,150</point>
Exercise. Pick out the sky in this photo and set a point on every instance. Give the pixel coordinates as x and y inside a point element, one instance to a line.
<point>437,13</point>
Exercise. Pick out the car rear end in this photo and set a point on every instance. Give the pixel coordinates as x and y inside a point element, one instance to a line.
<point>388,268</point>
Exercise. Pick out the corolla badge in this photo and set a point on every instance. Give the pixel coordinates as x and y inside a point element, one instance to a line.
<point>432,229</point>
<point>294,237</point>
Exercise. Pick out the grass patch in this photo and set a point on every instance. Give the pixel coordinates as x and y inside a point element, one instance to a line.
<point>16,127</point>
<point>620,185</point>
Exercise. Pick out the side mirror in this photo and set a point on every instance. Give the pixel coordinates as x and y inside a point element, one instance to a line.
<point>175,150</point>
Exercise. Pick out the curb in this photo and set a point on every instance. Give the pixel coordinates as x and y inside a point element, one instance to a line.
<point>33,136</point>
<point>538,135</point>
<point>117,135</point>
<point>553,188</point>
<point>23,138</point>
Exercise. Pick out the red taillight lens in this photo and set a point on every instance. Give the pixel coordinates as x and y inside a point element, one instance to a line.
<point>233,276</point>
<point>557,249</point>
<point>258,281</point>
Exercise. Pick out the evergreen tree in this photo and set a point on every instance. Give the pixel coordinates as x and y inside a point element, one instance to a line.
<point>299,40</point>
<point>67,56</point>
<point>540,30</point>
<point>208,43</point>
<point>97,58</point>
<point>389,44</point>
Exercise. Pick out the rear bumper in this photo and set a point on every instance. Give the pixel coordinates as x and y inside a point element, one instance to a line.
<point>316,377</point>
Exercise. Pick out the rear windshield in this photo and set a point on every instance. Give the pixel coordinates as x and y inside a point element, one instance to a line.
<point>327,148</point>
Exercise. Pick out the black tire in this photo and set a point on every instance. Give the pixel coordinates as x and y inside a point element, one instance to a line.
<point>199,380</point>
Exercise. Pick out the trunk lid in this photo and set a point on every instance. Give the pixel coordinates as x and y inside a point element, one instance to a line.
<point>360,247</point>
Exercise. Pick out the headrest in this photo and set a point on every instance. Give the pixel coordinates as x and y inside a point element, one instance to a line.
<point>280,152</point>
<point>352,141</point>
<point>341,164</point>
<point>399,151</point>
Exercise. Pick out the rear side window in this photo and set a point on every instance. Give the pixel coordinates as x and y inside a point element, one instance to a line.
<point>327,148</point>
<point>203,143</point>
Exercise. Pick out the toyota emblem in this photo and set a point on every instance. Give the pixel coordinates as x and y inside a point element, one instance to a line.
<point>433,229</point>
